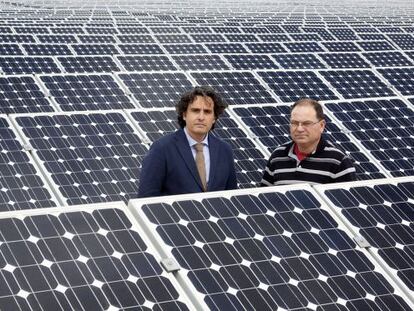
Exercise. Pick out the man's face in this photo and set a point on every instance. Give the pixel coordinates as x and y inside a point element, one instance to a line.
<point>199,117</point>
<point>306,129</point>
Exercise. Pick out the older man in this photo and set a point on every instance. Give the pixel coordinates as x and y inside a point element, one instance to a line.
<point>308,157</point>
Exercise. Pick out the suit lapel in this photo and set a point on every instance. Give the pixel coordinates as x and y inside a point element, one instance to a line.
<point>184,150</point>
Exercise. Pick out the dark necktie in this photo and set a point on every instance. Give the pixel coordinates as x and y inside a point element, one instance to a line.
<point>201,166</point>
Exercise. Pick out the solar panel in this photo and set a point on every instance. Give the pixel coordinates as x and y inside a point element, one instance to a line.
<point>156,89</point>
<point>404,41</point>
<point>341,46</point>
<point>235,87</point>
<point>247,61</point>
<point>185,48</point>
<point>382,213</point>
<point>146,63</point>
<point>91,157</point>
<point>357,83</point>
<point>135,38</point>
<point>167,38</point>
<point>140,49</point>
<point>344,60</point>
<point>18,65</point>
<point>207,37</point>
<point>56,39</point>
<point>199,62</point>
<point>267,250</point>
<point>270,124</point>
<point>222,48</point>
<point>95,49</point>
<point>375,46</point>
<point>21,184</point>
<point>400,78</point>
<point>387,59</point>
<point>22,94</point>
<point>47,49</point>
<point>384,127</point>
<point>11,38</point>
<point>298,61</point>
<point>10,49</point>
<point>302,47</point>
<point>92,64</point>
<point>87,259</point>
<point>86,92</point>
<point>265,47</point>
<point>292,85</point>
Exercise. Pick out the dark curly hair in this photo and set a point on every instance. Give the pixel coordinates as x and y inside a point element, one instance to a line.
<point>188,97</point>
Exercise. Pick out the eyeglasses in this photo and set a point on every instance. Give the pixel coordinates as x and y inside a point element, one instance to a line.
<point>305,124</point>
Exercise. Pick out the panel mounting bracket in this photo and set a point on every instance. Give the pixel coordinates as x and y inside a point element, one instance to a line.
<point>170,265</point>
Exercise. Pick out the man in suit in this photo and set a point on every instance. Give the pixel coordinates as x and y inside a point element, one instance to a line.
<point>191,159</point>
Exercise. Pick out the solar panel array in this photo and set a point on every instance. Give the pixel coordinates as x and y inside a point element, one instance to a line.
<point>84,92</point>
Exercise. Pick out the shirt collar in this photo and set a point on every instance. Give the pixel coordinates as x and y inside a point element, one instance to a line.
<point>192,141</point>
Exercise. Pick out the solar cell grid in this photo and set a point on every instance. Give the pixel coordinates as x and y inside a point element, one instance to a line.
<point>305,37</point>
<point>241,37</point>
<point>357,83</point>
<point>156,89</point>
<point>86,92</point>
<point>264,250</point>
<point>92,64</point>
<point>404,41</point>
<point>387,59</point>
<point>10,49</point>
<point>246,61</point>
<point>400,78</point>
<point>342,46</point>
<point>384,127</point>
<point>298,61</point>
<point>200,62</point>
<point>235,87</point>
<point>167,38</point>
<point>95,49</point>
<point>146,63</point>
<point>47,49</point>
<point>303,47</point>
<point>222,48</point>
<point>185,49</point>
<point>289,86</point>
<point>21,186</point>
<point>140,49</point>
<point>27,65</point>
<point>382,213</point>
<point>344,60</point>
<point>207,37</point>
<point>56,39</point>
<point>375,45</point>
<point>265,48</point>
<point>91,157</point>
<point>135,39</point>
<point>86,259</point>
<point>273,37</point>
<point>6,38</point>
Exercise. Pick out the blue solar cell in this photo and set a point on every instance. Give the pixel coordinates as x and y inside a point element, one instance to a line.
<point>265,47</point>
<point>140,49</point>
<point>96,39</point>
<point>207,37</point>
<point>279,261</point>
<point>292,85</point>
<point>373,211</point>
<point>21,186</point>
<point>146,63</point>
<point>200,62</point>
<point>341,46</point>
<point>56,39</point>
<point>235,87</point>
<point>383,127</point>
<point>71,272</point>
<point>185,48</point>
<point>91,157</point>
<point>134,38</point>
<point>11,38</point>
<point>87,92</point>
<point>357,83</point>
<point>298,61</point>
<point>344,60</point>
<point>95,49</point>
<point>221,48</point>
<point>167,38</point>
<point>47,49</point>
<point>400,78</point>
<point>245,61</point>
<point>387,59</point>
<point>303,47</point>
<point>376,46</point>
<point>156,89</point>
<point>28,65</point>
<point>404,41</point>
<point>10,49</point>
<point>90,64</point>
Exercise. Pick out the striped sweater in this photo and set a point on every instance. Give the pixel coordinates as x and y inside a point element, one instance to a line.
<point>326,164</point>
